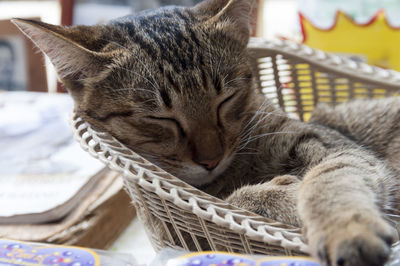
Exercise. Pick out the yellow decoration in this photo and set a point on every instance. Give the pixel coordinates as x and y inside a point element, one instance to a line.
<point>376,40</point>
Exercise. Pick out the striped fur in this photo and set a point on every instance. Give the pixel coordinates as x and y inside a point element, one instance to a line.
<point>174,85</point>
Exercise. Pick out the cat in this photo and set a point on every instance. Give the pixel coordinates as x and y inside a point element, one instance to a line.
<point>175,85</point>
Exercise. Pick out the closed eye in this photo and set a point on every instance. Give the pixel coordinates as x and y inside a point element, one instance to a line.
<point>109,115</point>
<point>224,102</point>
<point>168,120</point>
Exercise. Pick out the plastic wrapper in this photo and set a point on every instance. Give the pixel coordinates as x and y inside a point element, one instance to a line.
<point>173,257</point>
<point>15,253</point>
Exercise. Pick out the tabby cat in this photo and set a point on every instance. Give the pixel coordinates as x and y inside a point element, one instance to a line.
<point>175,85</point>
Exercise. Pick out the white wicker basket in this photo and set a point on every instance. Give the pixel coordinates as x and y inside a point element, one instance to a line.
<point>293,76</point>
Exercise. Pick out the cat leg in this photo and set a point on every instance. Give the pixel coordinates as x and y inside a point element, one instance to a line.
<point>340,203</point>
<point>275,199</point>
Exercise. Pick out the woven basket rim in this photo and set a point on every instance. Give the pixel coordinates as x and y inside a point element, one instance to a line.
<point>329,62</point>
<point>135,168</point>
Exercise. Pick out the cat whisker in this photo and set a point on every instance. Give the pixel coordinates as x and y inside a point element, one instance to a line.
<point>249,131</point>
<point>235,79</point>
<point>262,106</point>
<point>251,139</point>
<point>259,112</point>
<point>275,114</point>
<point>271,133</point>
<point>245,128</point>
<point>248,134</point>
<point>224,78</point>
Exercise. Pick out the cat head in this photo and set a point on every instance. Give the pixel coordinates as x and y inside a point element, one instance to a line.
<point>173,84</point>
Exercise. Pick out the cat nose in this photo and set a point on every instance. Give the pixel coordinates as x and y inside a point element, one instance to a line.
<point>210,164</point>
<point>206,147</point>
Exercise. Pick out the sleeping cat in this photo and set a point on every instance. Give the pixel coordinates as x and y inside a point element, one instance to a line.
<point>175,85</point>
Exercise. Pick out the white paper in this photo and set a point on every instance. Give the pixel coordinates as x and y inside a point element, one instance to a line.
<point>41,166</point>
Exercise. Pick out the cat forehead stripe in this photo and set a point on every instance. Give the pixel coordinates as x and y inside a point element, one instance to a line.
<point>166,99</point>
<point>168,40</point>
<point>165,37</point>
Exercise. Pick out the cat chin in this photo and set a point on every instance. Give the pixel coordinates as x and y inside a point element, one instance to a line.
<point>198,176</point>
<point>198,179</point>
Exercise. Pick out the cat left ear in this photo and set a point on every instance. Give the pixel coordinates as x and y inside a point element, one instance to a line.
<point>234,16</point>
<point>74,61</point>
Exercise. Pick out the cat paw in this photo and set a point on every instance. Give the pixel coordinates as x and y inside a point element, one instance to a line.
<point>354,244</point>
<point>276,199</point>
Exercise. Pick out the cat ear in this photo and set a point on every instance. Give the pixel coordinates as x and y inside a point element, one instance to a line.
<point>65,47</point>
<point>235,16</point>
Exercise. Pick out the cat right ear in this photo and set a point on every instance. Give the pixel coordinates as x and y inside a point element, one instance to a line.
<point>233,16</point>
<point>74,62</point>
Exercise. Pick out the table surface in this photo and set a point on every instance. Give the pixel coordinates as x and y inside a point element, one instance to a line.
<point>135,242</point>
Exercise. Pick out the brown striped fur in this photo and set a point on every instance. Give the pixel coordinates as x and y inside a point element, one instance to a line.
<point>175,86</point>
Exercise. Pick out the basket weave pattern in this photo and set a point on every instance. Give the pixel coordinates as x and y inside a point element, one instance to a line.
<point>294,77</point>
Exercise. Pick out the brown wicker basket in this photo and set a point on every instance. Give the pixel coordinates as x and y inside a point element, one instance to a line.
<point>295,77</point>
